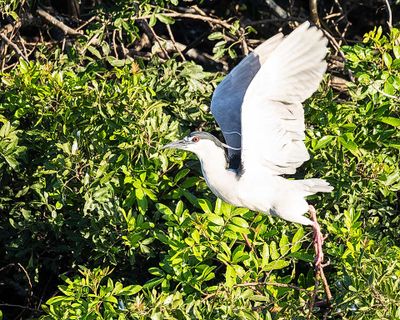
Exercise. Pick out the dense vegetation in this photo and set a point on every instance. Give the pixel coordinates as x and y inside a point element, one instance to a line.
<point>97,222</point>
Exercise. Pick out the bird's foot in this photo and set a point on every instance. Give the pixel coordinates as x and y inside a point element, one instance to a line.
<point>318,242</point>
<point>318,239</point>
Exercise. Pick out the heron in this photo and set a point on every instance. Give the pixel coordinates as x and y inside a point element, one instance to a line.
<point>258,107</point>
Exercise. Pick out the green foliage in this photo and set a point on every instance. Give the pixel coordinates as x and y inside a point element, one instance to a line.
<point>86,183</point>
<point>91,151</point>
<point>93,296</point>
<point>9,8</point>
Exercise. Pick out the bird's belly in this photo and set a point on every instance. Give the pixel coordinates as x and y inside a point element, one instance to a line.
<point>260,193</point>
<point>226,188</point>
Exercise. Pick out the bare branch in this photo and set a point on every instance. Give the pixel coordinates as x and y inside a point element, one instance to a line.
<point>277,9</point>
<point>267,283</point>
<point>191,16</point>
<point>390,96</point>
<point>273,20</point>
<point>336,45</point>
<point>14,46</point>
<point>54,21</point>
<point>314,12</point>
<point>389,9</point>
<point>171,35</point>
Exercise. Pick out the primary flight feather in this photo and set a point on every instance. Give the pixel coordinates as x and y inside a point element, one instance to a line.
<point>258,107</point>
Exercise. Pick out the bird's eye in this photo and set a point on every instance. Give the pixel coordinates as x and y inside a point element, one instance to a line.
<point>195,139</point>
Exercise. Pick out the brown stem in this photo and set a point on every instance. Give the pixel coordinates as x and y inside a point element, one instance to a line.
<point>14,46</point>
<point>314,12</point>
<point>191,16</point>
<point>171,35</point>
<point>274,284</point>
<point>54,21</point>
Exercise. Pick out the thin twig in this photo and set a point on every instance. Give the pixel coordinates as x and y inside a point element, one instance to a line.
<point>86,23</point>
<point>190,16</point>
<point>274,20</point>
<point>389,9</point>
<point>194,54</point>
<point>27,275</point>
<point>327,289</point>
<point>245,47</point>
<point>314,12</point>
<point>385,94</point>
<point>10,27</point>
<point>14,46</point>
<point>16,306</point>
<point>198,10</point>
<point>171,35</point>
<point>248,243</point>
<point>277,9</point>
<point>54,21</point>
<point>114,43</point>
<point>153,37</point>
<point>22,42</point>
<point>336,45</point>
<point>314,295</point>
<point>266,283</point>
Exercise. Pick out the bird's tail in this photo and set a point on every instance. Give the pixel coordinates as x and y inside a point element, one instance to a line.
<point>312,186</point>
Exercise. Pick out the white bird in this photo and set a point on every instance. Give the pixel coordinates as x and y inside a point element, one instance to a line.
<point>258,107</point>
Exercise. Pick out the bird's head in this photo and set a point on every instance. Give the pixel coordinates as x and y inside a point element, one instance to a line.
<point>199,142</point>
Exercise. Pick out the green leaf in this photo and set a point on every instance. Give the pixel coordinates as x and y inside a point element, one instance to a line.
<point>164,209</point>
<point>205,205</point>
<point>216,36</point>
<point>152,283</point>
<point>349,145</point>
<point>273,250</point>
<point>95,52</point>
<point>141,200</point>
<point>153,20</point>
<point>230,276</point>
<point>387,59</point>
<point>265,255</point>
<point>396,51</point>
<point>111,299</point>
<point>130,290</point>
<point>302,255</point>
<point>296,244</point>
<point>240,222</point>
<point>284,244</point>
<point>215,219</point>
<point>276,265</point>
<point>165,19</point>
<point>395,122</point>
<point>238,229</point>
<point>117,62</point>
<point>321,143</point>
<point>57,299</point>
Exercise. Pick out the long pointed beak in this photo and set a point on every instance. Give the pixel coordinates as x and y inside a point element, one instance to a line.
<point>180,144</point>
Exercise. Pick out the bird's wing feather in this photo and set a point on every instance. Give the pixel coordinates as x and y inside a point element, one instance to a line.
<point>228,96</point>
<point>272,113</point>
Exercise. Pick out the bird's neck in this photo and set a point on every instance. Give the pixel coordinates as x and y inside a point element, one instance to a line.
<point>220,180</point>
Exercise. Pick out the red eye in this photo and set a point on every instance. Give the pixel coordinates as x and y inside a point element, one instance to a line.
<point>195,139</point>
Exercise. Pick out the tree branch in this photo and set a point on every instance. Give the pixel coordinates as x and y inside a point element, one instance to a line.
<point>277,9</point>
<point>389,9</point>
<point>54,21</point>
<point>14,46</point>
<point>190,16</point>
<point>314,12</point>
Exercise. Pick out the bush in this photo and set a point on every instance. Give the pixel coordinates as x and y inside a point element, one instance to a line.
<point>132,230</point>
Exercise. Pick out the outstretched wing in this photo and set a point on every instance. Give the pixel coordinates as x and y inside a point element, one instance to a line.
<point>228,96</point>
<point>272,113</point>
